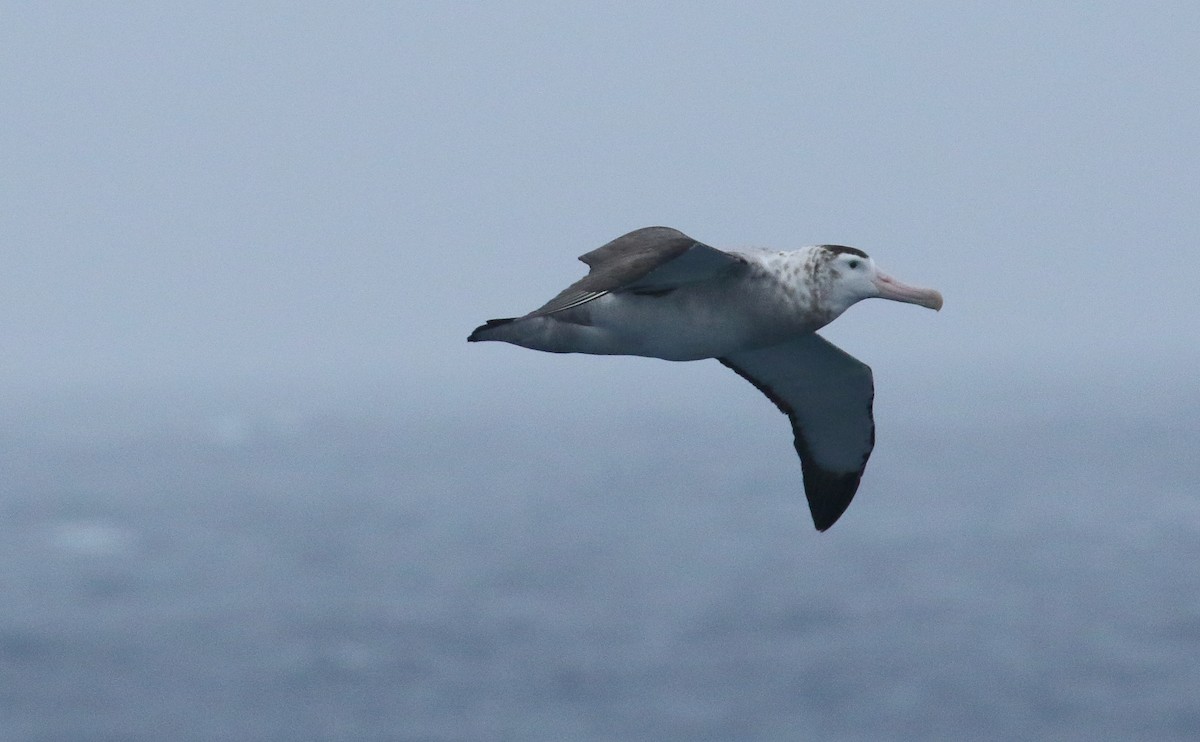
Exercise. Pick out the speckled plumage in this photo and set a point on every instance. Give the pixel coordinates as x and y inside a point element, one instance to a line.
<point>657,292</point>
<point>756,298</point>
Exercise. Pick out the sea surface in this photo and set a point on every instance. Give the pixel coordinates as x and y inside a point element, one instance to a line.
<point>280,576</point>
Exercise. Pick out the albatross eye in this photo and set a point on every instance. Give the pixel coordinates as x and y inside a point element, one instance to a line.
<point>853,264</point>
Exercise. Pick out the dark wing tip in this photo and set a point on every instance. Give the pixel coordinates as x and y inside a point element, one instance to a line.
<point>829,493</point>
<point>477,334</point>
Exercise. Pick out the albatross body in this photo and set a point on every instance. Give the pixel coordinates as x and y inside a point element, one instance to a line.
<point>657,292</point>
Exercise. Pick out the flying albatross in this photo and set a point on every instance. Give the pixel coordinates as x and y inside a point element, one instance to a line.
<point>657,292</point>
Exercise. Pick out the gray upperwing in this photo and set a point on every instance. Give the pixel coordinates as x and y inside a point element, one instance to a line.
<point>648,260</point>
<point>827,395</point>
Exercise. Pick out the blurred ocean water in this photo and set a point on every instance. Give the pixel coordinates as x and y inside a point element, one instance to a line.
<point>355,578</point>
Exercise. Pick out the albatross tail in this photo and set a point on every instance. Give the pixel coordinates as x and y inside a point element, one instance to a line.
<point>486,330</point>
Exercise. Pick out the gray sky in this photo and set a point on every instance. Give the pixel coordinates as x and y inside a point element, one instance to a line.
<point>251,192</point>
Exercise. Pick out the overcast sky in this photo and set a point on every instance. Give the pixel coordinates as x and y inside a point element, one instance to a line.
<point>257,191</point>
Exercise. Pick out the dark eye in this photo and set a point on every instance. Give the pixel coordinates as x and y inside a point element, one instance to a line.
<point>853,264</point>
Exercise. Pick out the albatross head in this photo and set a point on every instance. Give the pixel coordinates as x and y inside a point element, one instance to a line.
<point>853,276</point>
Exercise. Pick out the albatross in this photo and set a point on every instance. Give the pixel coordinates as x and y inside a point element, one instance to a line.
<point>657,292</point>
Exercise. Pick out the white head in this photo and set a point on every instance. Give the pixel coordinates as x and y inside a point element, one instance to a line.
<point>849,275</point>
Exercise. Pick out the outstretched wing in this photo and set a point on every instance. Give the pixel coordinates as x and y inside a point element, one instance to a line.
<point>827,395</point>
<point>649,260</point>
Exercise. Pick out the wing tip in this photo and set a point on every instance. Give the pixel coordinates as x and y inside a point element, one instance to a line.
<point>829,495</point>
